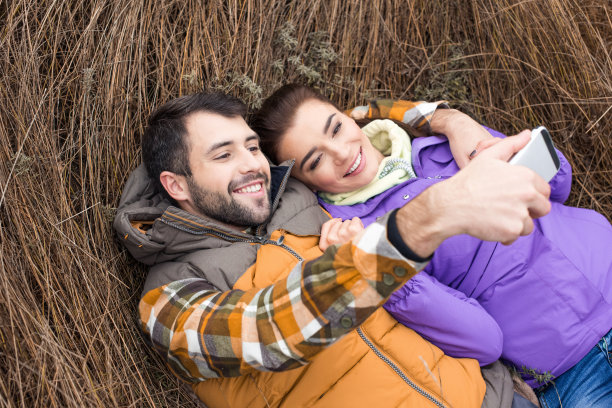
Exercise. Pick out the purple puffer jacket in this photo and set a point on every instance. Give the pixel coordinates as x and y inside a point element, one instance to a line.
<point>550,292</point>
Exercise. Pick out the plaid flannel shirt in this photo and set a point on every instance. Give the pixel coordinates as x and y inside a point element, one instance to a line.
<point>209,334</point>
<point>415,114</point>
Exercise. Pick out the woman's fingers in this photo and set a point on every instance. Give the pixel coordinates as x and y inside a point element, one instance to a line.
<point>328,231</point>
<point>350,228</point>
<point>336,231</point>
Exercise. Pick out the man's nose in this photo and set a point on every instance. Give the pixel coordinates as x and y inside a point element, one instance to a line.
<point>248,162</point>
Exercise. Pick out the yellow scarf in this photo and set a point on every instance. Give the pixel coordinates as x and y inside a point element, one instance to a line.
<point>394,143</point>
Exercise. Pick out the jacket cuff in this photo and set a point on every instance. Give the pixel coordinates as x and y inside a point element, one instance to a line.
<point>393,235</point>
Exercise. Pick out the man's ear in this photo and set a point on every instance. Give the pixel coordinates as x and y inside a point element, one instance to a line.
<point>175,185</point>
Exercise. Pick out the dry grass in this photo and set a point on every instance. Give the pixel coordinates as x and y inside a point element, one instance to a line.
<point>79,78</point>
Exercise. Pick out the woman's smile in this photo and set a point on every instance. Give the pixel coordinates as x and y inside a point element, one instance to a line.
<point>358,165</point>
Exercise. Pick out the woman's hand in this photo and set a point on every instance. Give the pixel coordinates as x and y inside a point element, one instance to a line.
<point>465,136</point>
<point>336,231</point>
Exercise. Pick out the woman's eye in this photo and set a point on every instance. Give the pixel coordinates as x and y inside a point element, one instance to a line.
<point>254,148</point>
<point>315,163</point>
<point>223,156</point>
<point>336,129</point>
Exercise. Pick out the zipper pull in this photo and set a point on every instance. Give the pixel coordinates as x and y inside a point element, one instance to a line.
<point>280,240</point>
<point>259,239</point>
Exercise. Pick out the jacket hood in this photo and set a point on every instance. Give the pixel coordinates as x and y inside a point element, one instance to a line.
<point>154,230</point>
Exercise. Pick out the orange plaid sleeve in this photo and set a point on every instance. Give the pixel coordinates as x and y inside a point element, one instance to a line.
<point>416,114</point>
<point>203,333</point>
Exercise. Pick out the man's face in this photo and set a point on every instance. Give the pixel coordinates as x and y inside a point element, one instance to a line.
<point>230,179</point>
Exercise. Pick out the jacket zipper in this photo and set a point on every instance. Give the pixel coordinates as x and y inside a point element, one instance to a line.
<point>287,248</point>
<point>397,369</point>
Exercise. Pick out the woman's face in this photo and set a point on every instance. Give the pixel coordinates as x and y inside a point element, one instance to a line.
<point>331,152</point>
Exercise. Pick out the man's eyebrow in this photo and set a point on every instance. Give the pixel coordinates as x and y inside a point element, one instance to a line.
<point>229,142</point>
<point>310,152</point>
<point>252,137</point>
<point>329,119</point>
<point>219,145</point>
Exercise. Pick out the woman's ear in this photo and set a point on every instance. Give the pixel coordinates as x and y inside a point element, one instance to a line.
<point>175,185</point>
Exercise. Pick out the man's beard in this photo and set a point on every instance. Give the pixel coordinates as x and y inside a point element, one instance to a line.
<point>226,209</point>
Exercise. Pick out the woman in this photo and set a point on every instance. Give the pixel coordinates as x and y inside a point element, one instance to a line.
<point>550,292</point>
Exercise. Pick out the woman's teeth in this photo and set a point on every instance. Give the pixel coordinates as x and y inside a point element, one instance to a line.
<point>250,189</point>
<point>355,165</point>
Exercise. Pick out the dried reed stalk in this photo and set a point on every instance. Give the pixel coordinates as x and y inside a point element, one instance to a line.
<point>79,78</point>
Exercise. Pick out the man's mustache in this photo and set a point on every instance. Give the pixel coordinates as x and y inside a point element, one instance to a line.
<point>234,184</point>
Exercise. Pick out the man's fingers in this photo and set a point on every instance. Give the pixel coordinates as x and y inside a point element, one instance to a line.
<point>504,149</point>
<point>527,229</point>
<point>483,145</point>
<point>539,207</point>
<point>527,226</point>
<point>542,186</point>
<point>509,242</point>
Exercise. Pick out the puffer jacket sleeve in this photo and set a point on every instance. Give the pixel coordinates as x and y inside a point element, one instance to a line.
<point>203,333</point>
<point>561,183</point>
<point>446,317</point>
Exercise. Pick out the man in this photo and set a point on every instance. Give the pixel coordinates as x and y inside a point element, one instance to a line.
<point>241,302</point>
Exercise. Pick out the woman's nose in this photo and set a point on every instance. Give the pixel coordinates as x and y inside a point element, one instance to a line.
<point>338,153</point>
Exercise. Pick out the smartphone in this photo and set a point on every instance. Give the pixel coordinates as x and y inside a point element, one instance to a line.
<point>539,154</point>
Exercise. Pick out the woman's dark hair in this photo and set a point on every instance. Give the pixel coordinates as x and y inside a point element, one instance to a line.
<point>277,113</point>
<point>165,146</point>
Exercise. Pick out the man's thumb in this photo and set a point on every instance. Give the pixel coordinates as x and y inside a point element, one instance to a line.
<point>507,147</point>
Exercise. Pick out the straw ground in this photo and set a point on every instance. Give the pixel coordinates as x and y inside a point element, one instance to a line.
<point>78,79</point>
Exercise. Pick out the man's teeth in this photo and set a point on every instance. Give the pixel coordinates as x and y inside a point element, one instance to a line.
<point>250,189</point>
<point>355,165</point>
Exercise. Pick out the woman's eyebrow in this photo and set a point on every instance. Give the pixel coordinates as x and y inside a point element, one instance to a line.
<point>310,152</point>
<point>329,119</point>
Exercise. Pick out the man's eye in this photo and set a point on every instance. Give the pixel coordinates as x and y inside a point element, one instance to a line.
<point>254,148</point>
<point>336,129</point>
<point>223,156</point>
<point>315,163</point>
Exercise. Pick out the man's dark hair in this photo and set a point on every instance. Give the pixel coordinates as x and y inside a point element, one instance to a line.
<point>165,146</point>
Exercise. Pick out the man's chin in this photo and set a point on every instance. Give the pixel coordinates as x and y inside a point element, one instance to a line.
<point>259,210</point>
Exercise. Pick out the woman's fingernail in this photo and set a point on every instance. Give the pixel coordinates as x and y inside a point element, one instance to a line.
<point>472,154</point>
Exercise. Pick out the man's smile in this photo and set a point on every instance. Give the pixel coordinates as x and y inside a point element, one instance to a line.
<point>251,188</point>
